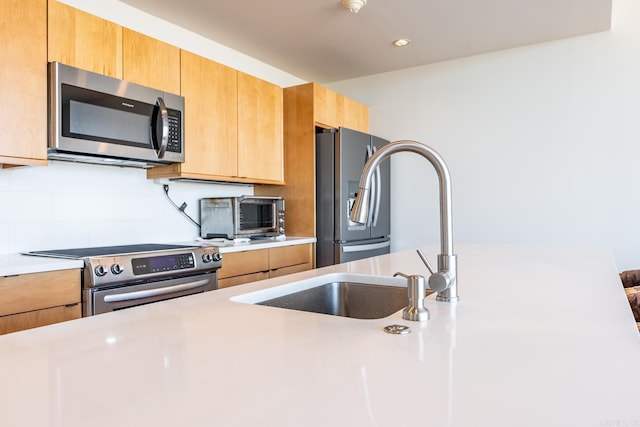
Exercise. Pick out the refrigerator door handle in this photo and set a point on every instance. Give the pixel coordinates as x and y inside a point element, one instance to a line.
<point>366,247</point>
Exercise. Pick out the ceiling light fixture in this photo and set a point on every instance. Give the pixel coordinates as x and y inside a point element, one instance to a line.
<point>354,6</point>
<point>401,42</point>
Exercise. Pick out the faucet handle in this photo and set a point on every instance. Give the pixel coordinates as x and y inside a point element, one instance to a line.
<point>425,260</point>
<point>438,281</point>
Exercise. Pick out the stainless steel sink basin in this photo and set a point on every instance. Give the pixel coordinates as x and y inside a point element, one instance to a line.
<point>337,294</point>
<point>347,299</point>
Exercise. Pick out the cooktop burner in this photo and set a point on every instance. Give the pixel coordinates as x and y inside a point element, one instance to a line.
<point>79,253</point>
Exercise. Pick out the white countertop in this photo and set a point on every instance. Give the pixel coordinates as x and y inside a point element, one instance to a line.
<point>227,246</point>
<point>14,264</point>
<point>541,337</point>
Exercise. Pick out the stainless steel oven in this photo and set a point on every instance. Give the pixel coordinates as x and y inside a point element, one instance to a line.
<point>118,277</point>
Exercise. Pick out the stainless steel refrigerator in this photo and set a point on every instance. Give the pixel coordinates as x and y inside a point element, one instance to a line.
<point>340,157</point>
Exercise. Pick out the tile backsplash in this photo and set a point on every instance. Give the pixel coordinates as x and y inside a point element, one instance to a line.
<point>67,205</point>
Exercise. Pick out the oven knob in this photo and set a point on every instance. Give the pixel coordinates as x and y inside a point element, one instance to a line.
<point>116,269</point>
<point>206,258</point>
<point>217,256</point>
<point>100,270</point>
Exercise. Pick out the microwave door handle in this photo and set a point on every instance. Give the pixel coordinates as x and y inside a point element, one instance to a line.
<point>164,115</point>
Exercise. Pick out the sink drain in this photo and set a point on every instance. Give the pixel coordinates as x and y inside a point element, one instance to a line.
<point>397,329</point>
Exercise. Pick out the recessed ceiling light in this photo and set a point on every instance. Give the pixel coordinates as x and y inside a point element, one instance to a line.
<point>401,42</point>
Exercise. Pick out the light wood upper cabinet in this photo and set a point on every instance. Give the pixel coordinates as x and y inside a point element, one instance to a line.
<point>259,129</point>
<point>211,121</point>
<point>23,82</point>
<point>85,41</point>
<point>305,107</point>
<point>328,107</point>
<point>233,126</point>
<point>91,43</point>
<point>150,62</point>
<point>355,115</point>
<point>211,117</point>
<point>332,110</point>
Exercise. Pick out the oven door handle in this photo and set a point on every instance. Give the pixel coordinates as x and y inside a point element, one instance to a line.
<point>128,296</point>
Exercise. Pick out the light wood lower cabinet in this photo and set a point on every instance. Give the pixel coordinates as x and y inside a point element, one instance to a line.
<point>259,264</point>
<point>38,299</point>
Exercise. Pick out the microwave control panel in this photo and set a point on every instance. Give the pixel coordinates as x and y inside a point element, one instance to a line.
<point>175,131</point>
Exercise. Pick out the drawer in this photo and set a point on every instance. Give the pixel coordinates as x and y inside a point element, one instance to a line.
<point>36,318</point>
<point>290,269</point>
<point>35,291</point>
<point>246,262</point>
<point>240,280</point>
<point>285,256</point>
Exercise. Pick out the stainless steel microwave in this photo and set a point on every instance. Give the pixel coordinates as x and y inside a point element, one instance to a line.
<point>241,217</point>
<point>99,119</point>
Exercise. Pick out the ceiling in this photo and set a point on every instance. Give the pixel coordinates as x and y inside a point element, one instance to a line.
<point>321,41</point>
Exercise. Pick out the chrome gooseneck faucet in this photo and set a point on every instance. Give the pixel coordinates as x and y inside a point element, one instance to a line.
<point>444,280</point>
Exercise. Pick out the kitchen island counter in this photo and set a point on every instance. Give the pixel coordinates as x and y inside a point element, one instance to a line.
<point>541,336</point>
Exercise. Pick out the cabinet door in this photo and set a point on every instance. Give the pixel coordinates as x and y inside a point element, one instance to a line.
<point>211,117</point>
<point>150,62</point>
<point>260,147</point>
<point>328,107</point>
<point>23,82</point>
<point>356,116</point>
<point>85,41</point>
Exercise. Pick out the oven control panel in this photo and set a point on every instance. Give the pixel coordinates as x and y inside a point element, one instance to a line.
<point>162,263</point>
<point>117,270</point>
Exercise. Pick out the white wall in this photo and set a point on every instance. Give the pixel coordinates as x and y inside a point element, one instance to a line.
<point>67,205</point>
<point>542,142</point>
<point>73,205</point>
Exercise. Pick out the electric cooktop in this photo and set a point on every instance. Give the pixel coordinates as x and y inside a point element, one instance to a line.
<point>79,253</point>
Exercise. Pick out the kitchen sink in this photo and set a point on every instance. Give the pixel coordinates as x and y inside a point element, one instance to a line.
<point>337,294</point>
